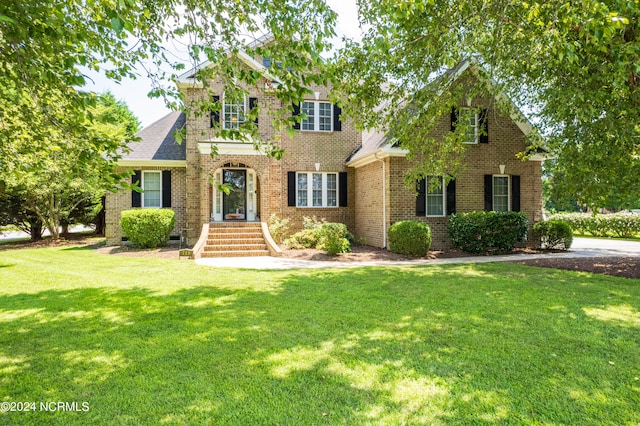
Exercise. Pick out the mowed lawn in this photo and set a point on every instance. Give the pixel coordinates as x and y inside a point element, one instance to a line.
<point>146,341</point>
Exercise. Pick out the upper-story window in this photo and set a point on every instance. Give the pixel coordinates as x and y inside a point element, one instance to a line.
<point>469,116</point>
<point>234,110</point>
<point>319,116</point>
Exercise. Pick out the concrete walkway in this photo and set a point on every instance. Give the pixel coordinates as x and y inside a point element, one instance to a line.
<point>582,247</point>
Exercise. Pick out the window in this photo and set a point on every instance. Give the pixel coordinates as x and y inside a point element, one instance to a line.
<point>469,117</point>
<point>316,189</point>
<point>151,185</point>
<point>319,116</point>
<point>435,194</point>
<point>233,112</point>
<point>501,193</point>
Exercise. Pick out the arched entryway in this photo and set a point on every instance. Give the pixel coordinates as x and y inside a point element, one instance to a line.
<point>235,194</point>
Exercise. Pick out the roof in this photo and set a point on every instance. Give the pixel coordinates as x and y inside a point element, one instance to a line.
<point>157,142</point>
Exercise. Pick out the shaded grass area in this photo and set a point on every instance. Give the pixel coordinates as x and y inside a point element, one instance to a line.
<point>147,341</point>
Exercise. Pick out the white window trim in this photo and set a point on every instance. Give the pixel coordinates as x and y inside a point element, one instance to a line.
<point>143,201</point>
<point>325,190</point>
<point>493,192</point>
<point>462,114</point>
<point>316,116</point>
<point>244,114</point>
<point>444,197</point>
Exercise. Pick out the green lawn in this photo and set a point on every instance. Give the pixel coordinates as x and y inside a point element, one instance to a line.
<point>145,341</point>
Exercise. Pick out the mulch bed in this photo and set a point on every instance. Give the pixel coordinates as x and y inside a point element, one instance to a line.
<point>628,267</point>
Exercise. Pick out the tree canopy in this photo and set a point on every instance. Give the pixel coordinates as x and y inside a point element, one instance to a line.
<point>572,65</point>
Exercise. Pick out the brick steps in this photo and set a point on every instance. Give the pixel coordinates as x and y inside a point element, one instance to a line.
<point>235,239</point>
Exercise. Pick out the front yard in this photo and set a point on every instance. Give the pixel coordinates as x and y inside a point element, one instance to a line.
<point>154,341</point>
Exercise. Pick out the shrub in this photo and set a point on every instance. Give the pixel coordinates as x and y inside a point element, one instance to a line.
<point>478,232</point>
<point>148,228</point>
<point>553,234</point>
<point>333,238</point>
<point>307,238</point>
<point>410,237</point>
<point>602,225</point>
<point>278,227</point>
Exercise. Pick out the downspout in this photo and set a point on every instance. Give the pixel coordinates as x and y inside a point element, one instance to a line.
<point>384,200</point>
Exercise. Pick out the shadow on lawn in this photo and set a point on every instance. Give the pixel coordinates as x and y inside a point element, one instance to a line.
<point>356,346</point>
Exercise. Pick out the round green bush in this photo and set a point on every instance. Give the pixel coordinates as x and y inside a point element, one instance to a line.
<point>410,237</point>
<point>148,228</point>
<point>553,234</point>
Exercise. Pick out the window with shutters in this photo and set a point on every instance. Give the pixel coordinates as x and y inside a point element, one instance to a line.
<point>319,116</point>
<point>233,112</point>
<point>501,193</point>
<point>316,189</point>
<point>435,196</point>
<point>152,189</point>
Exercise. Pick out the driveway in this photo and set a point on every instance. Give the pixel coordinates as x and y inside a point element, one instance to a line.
<point>582,247</point>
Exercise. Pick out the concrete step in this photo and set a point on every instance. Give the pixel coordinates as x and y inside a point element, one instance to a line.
<point>248,253</point>
<point>235,247</point>
<point>213,241</point>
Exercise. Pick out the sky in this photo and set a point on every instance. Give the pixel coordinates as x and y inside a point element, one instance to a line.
<point>134,92</point>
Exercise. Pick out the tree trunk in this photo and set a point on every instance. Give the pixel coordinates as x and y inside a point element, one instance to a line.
<point>36,231</point>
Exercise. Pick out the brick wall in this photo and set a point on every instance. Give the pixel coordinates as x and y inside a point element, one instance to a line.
<point>505,141</point>
<point>116,202</point>
<point>303,151</point>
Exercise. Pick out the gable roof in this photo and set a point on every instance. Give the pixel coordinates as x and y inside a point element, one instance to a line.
<point>157,144</point>
<point>377,145</point>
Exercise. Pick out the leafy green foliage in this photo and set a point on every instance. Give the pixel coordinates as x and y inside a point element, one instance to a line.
<point>481,231</point>
<point>410,237</point>
<point>573,67</point>
<point>332,238</point>
<point>306,238</point>
<point>602,225</point>
<point>278,227</point>
<point>553,234</point>
<point>148,228</point>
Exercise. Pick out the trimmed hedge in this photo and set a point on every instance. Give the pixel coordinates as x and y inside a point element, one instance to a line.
<point>410,237</point>
<point>553,234</point>
<point>623,225</point>
<point>148,228</point>
<point>479,232</point>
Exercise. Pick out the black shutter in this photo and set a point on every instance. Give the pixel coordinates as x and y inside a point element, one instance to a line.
<point>488,192</point>
<point>421,199</point>
<point>253,103</point>
<point>291,189</point>
<point>215,115</point>
<point>136,197</point>
<point>483,120</point>
<point>451,197</point>
<point>337,123</point>
<point>515,193</point>
<point>342,192</point>
<point>454,118</point>
<point>296,112</point>
<point>166,188</point>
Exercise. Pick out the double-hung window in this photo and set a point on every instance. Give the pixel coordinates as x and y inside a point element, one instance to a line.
<point>469,117</point>
<point>316,189</point>
<point>501,193</point>
<point>234,110</point>
<point>435,196</point>
<point>152,188</point>
<point>319,116</point>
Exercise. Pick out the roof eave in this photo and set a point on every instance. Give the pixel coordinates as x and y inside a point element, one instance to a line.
<point>379,154</point>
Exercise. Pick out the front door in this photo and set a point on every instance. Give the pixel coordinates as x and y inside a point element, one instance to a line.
<point>234,204</point>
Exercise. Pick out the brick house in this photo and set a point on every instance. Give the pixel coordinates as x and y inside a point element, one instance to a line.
<point>330,171</point>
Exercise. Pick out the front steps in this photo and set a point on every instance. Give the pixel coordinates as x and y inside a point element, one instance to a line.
<point>235,239</point>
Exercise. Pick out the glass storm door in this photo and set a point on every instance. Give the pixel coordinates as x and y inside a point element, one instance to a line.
<point>234,204</point>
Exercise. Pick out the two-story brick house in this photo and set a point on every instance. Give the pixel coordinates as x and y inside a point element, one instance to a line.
<point>330,171</point>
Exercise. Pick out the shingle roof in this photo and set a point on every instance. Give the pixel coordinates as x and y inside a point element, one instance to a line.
<point>158,142</point>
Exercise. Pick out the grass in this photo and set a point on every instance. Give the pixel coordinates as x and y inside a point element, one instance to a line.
<point>147,341</point>
<point>588,235</point>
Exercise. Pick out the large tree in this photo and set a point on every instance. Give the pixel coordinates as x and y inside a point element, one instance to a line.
<point>573,66</point>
